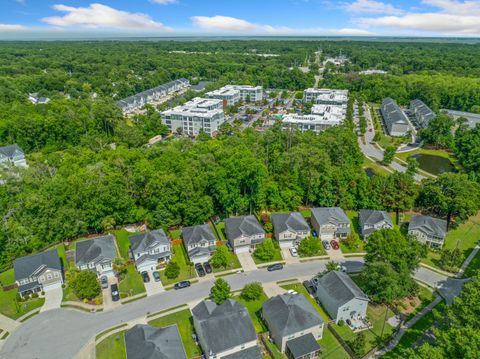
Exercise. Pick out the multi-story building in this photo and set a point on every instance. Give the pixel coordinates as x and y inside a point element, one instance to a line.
<point>331,112</point>
<point>428,230</point>
<point>330,222</point>
<point>396,122</point>
<point>96,254</point>
<point>326,96</point>
<point>149,249</point>
<point>244,233</point>
<point>315,123</point>
<point>423,114</point>
<point>232,94</point>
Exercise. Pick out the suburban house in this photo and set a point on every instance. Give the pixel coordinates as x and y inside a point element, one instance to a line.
<point>289,228</point>
<point>149,248</point>
<point>396,122</point>
<point>294,325</point>
<point>244,233</point>
<point>225,330</point>
<point>330,222</point>
<point>37,272</point>
<point>96,254</point>
<point>428,230</point>
<point>12,155</point>
<point>371,220</point>
<point>423,114</point>
<point>147,342</point>
<point>341,297</point>
<point>199,242</point>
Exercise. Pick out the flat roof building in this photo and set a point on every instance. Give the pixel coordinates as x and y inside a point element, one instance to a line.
<point>330,112</point>
<point>325,96</point>
<point>315,123</point>
<point>423,114</point>
<point>396,122</point>
<point>232,94</point>
<point>472,118</point>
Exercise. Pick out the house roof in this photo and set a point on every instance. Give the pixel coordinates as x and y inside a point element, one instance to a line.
<point>372,217</point>
<point>95,250</point>
<point>290,313</point>
<point>431,226</point>
<point>147,342</point>
<point>200,252</point>
<point>143,241</point>
<point>334,215</point>
<point>26,266</point>
<point>242,226</point>
<point>223,326</point>
<point>196,234</point>
<point>303,345</point>
<point>10,150</point>
<point>339,287</point>
<point>292,221</point>
<point>392,114</point>
<point>249,353</point>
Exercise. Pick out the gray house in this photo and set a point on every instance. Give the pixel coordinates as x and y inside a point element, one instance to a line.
<point>290,228</point>
<point>149,248</point>
<point>12,155</point>
<point>147,342</point>
<point>330,222</point>
<point>395,120</point>
<point>371,220</point>
<point>244,233</point>
<point>96,254</point>
<point>199,242</point>
<point>225,330</point>
<point>428,230</point>
<point>37,272</point>
<point>341,297</point>
<point>423,114</point>
<point>292,319</point>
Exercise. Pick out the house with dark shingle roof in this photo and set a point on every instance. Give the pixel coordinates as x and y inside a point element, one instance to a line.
<point>395,120</point>
<point>225,330</point>
<point>292,319</point>
<point>428,230</point>
<point>370,220</point>
<point>199,242</point>
<point>244,233</point>
<point>37,272</point>
<point>290,228</point>
<point>12,155</point>
<point>96,254</point>
<point>330,222</point>
<point>341,297</point>
<point>149,248</point>
<point>423,114</point>
<point>147,342</point>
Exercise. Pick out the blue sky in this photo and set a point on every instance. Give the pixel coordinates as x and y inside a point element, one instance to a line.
<point>241,17</point>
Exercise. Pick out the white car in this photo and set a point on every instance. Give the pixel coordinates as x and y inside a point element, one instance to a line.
<point>293,252</point>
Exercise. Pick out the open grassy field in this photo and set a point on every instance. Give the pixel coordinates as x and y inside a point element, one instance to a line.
<point>122,242</point>
<point>112,347</point>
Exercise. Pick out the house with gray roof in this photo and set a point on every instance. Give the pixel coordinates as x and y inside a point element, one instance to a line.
<point>12,155</point>
<point>37,272</point>
<point>199,241</point>
<point>149,249</point>
<point>289,317</point>
<point>423,114</point>
<point>341,297</point>
<point>370,220</point>
<point>395,120</point>
<point>38,100</point>
<point>147,342</point>
<point>244,233</point>
<point>225,330</point>
<point>290,228</point>
<point>330,222</point>
<point>96,254</point>
<point>428,230</point>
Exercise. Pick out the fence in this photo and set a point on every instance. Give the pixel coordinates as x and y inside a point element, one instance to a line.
<point>342,342</point>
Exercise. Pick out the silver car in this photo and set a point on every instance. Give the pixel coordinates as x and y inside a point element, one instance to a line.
<point>326,245</point>
<point>104,281</point>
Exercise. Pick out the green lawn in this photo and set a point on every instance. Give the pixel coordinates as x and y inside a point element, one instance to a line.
<point>331,347</point>
<point>175,234</point>
<point>254,309</point>
<point>306,213</point>
<point>69,295</point>
<point>183,319</point>
<point>7,277</point>
<point>375,167</point>
<point>13,309</point>
<point>186,271</point>
<point>233,263</point>
<point>63,256</point>
<point>132,284</point>
<point>277,257</point>
<point>424,151</point>
<point>112,347</point>
<point>123,243</point>
<point>221,230</point>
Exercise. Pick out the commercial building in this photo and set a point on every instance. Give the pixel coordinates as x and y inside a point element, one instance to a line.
<point>232,94</point>
<point>423,114</point>
<point>396,122</point>
<point>472,118</point>
<point>326,96</point>
<point>315,123</point>
<point>331,112</point>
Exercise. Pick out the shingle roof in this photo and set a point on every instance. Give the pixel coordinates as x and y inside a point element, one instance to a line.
<point>290,313</point>
<point>334,215</point>
<point>372,217</point>
<point>419,108</point>
<point>142,241</point>
<point>431,226</point>
<point>195,234</point>
<point>249,353</point>
<point>147,342</point>
<point>223,326</point>
<point>26,266</point>
<point>339,287</point>
<point>200,252</point>
<point>303,345</point>
<point>244,225</point>
<point>292,221</point>
<point>9,151</point>
<point>392,114</point>
<point>95,250</point>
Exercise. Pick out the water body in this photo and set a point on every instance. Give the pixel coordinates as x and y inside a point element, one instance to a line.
<point>434,164</point>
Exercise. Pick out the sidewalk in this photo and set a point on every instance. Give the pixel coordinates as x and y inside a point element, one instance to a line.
<point>8,324</point>
<point>467,261</point>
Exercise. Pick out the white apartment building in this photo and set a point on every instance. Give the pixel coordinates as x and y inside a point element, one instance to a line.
<point>232,94</point>
<point>325,96</point>
<point>331,112</point>
<point>315,123</point>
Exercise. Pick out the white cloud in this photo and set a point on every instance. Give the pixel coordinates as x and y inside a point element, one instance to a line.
<point>372,7</point>
<point>223,23</point>
<point>102,16</point>
<point>164,2</point>
<point>12,27</point>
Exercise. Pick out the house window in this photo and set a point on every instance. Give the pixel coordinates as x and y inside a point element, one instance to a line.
<point>56,275</point>
<point>42,278</point>
<point>49,276</point>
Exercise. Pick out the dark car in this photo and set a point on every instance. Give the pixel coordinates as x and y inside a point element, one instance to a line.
<point>200,270</point>
<point>309,287</point>
<point>183,284</point>
<point>334,244</point>
<point>208,267</point>
<point>146,277</point>
<point>276,266</point>
<point>115,294</point>
<point>156,276</point>
<point>314,233</point>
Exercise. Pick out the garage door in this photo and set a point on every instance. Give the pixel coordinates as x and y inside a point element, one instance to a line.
<point>286,244</point>
<point>328,236</point>
<point>52,286</point>
<point>200,259</point>
<point>242,249</point>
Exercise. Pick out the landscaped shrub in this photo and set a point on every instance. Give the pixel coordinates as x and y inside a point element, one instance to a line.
<point>220,257</point>
<point>252,291</point>
<point>265,250</point>
<point>34,295</point>
<point>173,270</point>
<point>309,247</point>
<point>85,285</point>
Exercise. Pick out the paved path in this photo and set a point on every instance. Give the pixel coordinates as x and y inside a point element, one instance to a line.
<point>468,260</point>
<point>287,256</point>
<point>272,289</point>
<point>53,299</point>
<point>246,261</point>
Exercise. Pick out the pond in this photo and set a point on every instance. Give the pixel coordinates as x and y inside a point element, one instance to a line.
<point>434,164</point>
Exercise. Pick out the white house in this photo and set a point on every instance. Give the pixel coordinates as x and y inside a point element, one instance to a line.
<point>149,249</point>
<point>371,220</point>
<point>244,233</point>
<point>428,230</point>
<point>96,254</point>
<point>199,242</point>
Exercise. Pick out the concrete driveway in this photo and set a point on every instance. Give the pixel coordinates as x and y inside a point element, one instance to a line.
<point>53,299</point>
<point>246,261</point>
<point>153,287</point>
<point>108,303</point>
<point>287,256</point>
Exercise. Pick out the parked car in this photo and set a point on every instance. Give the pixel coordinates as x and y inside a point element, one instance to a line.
<point>104,281</point>
<point>208,267</point>
<point>145,276</point>
<point>200,270</point>
<point>314,233</point>
<point>326,245</point>
<point>115,294</point>
<point>309,287</point>
<point>334,244</point>
<point>156,276</point>
<point>293,252</point>
<point>342,268</point>
<point>183,284</point>
<point>276,266</point>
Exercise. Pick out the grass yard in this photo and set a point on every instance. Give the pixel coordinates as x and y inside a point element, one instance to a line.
<point>233,263</point>
<point>112,347</point>
<point>63,256</point>
<point>331,347</point>
<point>13,309</point>
<point>306,213</point>
<point>220,226</point>
<point>254,309</point>
<point>69,295</point>
<point>186,271</point>
<point>132,284</point>
<point>175,234</point>
<point>123,243</point>
<point>375,167</point>
<point>277,256</point>
<point>7,277</point>
<point>183,319</point>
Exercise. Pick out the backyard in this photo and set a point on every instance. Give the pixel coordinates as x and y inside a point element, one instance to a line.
<point>186,270</point>
<point>132,283</point>
<point>123,242</point>
<point>112,347</point>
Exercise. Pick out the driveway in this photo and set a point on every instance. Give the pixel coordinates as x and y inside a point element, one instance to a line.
<point>272,289</point>
<point>53,299</point>
<point>287,256</point>
<point>335,254</point>
<point>246,261</point>
<point>108,303</point>
<point>153,287</point>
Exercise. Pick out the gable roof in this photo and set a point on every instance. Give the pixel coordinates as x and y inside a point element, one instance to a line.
<point>303,345</point>
<point>143,241</point>
<point>339,287</point>
<point>292,221</point>
<point>372,217</point>
<point>195,234</point>
<point>392,114</point>
<point>290,313</point>
<point>249,353</point>
<point>223,326</point>
<point>242,226</point>
<point>147,342</point>
<point>25,266</point>
<point>334,215</point>
<point>429,225</point>
<point>10,151</point>
<point>95,250</point>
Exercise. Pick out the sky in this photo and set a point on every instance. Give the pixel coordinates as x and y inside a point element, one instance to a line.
<point>63,18</point>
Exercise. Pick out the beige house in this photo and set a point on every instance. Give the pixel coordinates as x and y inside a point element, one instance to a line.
<point>244,233</point>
